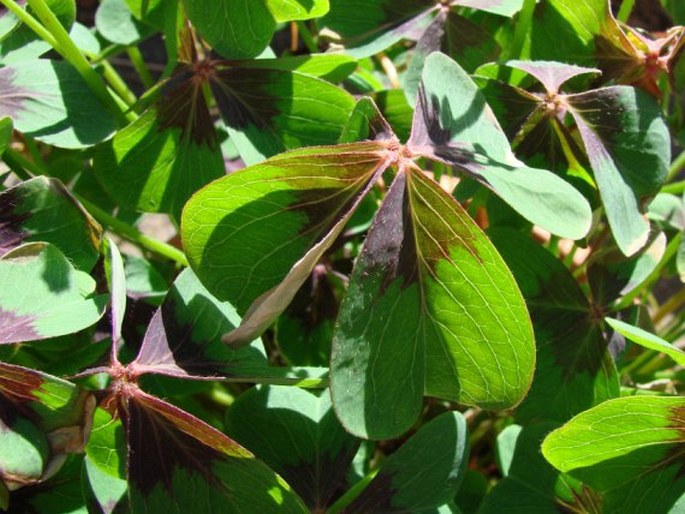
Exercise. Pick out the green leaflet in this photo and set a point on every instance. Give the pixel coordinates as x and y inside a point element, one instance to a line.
<point>48,100</point>
<point>453,124</point>
<point>297,434</point>
<point>60,300</point>
<point>291,207</point>
<point>627,143</point>
<point>574,369</point>
<point>431,310</point>
<point>644,338</point>
<point>423,474</point>
<point>624,448</point>
<point>42,209</point>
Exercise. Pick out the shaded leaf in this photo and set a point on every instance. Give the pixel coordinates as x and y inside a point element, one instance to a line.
<point>431,291</point>
<point>48,100</point>
<point>461,130</point>
<point>624,448</point>
<point>423,474</point>
<point>183,338</point>
<point>61,300</point>
<point>268,111</point>
<point>644,338</point>
<point>612,275</point>
<point>331,67</point>
<point>530,483</point>
<point>574,368</point>
<point>297,434</point>
<point>293,205</point>
<point>42,209</point>
<point>152,167</point>
<point>22,43</point>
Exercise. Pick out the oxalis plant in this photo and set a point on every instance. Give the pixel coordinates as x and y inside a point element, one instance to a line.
<point>341,256</point>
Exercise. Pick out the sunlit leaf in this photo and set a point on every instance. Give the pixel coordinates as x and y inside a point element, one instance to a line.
<point>624,448</point>
<point>644,338</point>
<point>454,125</point>
<point>60,300</point>
<point>292,206</point>
<point>431,310</point>
<point>48,100</point>
<point>188,463</point>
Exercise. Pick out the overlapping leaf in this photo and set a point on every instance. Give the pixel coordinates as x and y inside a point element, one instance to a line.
<point>48,100</point>
<point>297,434</point>
<point>574,369</point>
<point>624,137</point>
<point>436,25</point>
<point>648,340</point>
<point>630,449</point>
<point>431,309</point>
<point>242,29</point>
<point>172,150</point>
<point>61,300</point>
<point>453,124</point>
<point>424,474</point>
<point>42,209</point>
<point>183,338</point>
<point>531,484</point>
<point>292,206</point>
<point>42,418</point>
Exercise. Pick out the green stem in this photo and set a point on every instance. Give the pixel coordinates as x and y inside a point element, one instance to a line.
<point>671,251</point>
<point>140,66</point>
<point>676,188</point>
<point>118,85</point>
<point>674,303</point>
<point>352,493</point>
<point>16,166</point>
<point>523,23</point>
<point>64,45</point>
<point>677,165</point>
<point>307,37</point>
<point>625,10</point>
<point>133,234</point>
